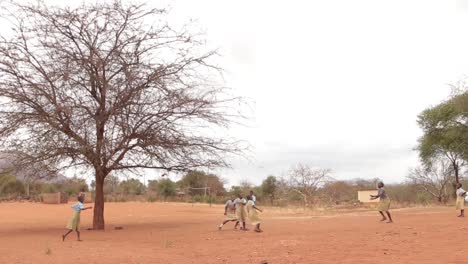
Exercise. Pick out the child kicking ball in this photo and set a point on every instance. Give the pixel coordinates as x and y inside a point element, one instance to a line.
<point>229,212</point>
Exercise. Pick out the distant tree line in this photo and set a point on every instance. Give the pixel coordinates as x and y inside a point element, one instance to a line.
<point>302,185</point>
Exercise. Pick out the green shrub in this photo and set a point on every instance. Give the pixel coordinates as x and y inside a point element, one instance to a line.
<point>152,198</point>
<point>166,188</point>
<point>12,187</point>
<point>49,188</point>
<point>424,198</point>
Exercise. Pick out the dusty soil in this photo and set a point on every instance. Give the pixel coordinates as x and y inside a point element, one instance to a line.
<point>182,233</point>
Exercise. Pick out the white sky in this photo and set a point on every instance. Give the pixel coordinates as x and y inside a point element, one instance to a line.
<point>336,83</point>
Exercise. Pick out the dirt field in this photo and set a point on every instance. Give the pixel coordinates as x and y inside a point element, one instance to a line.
<point>182,233</point>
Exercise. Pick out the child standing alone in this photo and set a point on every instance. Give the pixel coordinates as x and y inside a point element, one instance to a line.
<point>74,223</point>
<point>384,203</point>
<point>460,204</point>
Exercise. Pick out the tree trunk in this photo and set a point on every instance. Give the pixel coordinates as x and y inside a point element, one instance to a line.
<point>98,218</point>
<point>455,169</point>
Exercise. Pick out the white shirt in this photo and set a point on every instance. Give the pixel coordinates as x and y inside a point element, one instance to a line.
<point>460,192</point>
<point>240,201</point>
<point>230,204</point>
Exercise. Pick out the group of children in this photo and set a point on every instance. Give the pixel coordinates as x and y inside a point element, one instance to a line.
<point>239,209</point>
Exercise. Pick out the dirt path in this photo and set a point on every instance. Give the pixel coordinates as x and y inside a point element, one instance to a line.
<point>182,233</point>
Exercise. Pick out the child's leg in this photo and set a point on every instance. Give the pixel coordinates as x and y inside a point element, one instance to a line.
<point>78,234</point>
<point>237,224</point>
<point>243,226</point>
<point>462,213</point>
<point>66,234</point>
<point>389,217</point>
<point>383,216</point>
<point>257,228</point>
<point>221,225</point>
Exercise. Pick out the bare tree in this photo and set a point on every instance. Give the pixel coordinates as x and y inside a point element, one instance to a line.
<point>433,179</point>
<point>306,180</point>
<point>99,86</point>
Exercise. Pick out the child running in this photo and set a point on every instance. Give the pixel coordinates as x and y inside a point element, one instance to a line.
<point>384,203</point>
<point>252,213</point>
<point>74,223</point>
<point>240,211</point>
<point>460,204</point>
<point>229,212</point>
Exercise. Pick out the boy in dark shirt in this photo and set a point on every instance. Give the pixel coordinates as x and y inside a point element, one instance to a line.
<point>384,203</point>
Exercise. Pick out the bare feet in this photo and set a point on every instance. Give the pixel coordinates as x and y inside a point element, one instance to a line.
<point>389,221</point>
<point>461,216</point>
<point>258,230</point>
<point>383,219</point>
<point>63,238</point>
<point>79,240</point>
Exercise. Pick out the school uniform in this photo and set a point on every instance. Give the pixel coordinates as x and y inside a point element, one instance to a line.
<point>384,202</point>
<point>74,223</point>
<point>240,209</point>
<point>460,203</point>
<point>252,213</point>
<point>231,211</point>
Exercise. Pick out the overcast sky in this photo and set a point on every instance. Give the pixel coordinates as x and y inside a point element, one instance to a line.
<point>334,83</point>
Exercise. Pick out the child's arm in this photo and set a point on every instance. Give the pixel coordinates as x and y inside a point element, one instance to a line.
<point>86,208</point>
<point>255,207</point>
<point>373,197</point>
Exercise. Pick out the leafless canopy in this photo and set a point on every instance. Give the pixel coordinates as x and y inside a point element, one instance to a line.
<point>306,180</point>
<point>99,86</point>
<point>433,179</point>
<point>112,87</point>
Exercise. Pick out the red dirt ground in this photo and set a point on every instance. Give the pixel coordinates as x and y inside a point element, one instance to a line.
<point>182,233</point>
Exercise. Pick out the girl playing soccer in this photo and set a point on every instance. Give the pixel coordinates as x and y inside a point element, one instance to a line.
<point>74,223</point>
<point>252,213</point>
<point>460,205</point>
<point>240,211</point>
<point>229,212</point>
<point>384,203</point>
